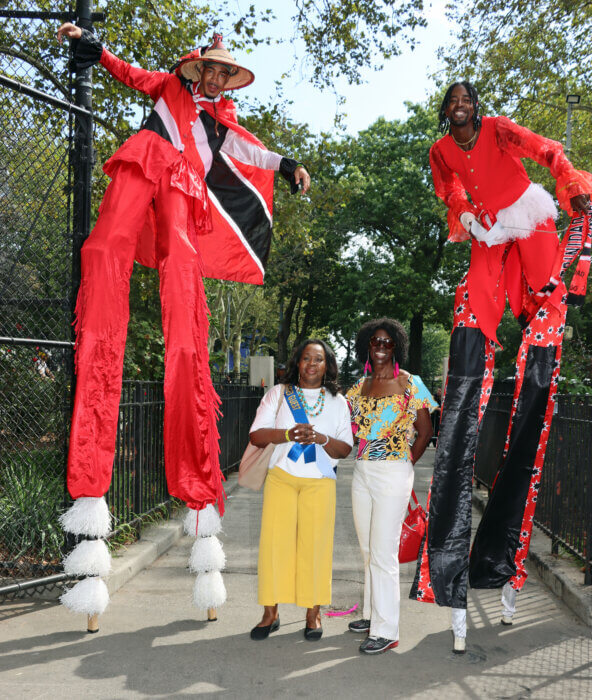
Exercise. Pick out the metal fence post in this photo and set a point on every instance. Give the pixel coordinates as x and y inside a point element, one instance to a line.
<point>138,431</point>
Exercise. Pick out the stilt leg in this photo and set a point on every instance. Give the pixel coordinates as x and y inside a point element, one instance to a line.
<point>503,536</point>
<point>92,624</point>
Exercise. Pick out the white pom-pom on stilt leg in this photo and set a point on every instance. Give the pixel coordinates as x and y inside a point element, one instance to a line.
<point>88,558</point>
<point>209,590</point>
<point>208,522</point>
<point>207,558</point>
<point>207,555</point>
<point>88,596</point>
<point>87,516</point>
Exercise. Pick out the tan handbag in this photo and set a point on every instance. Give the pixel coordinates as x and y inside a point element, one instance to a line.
<point>255,460</point>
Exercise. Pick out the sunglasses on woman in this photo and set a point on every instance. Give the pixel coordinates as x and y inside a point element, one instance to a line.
<point>376,342</point>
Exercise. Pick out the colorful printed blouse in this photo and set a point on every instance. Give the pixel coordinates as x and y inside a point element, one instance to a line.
<point>383,425</point>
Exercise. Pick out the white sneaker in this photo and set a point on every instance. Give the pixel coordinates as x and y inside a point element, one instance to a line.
<point>506,621</point>
<point>460,645</point>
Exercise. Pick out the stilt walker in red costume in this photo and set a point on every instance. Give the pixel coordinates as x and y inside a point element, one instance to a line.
<point>515,253</point>
<point>190,194</point>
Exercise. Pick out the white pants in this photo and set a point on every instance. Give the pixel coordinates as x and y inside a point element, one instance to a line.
<point>380,494</point>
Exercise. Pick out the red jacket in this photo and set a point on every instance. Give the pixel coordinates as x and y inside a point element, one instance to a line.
<point>199,139</point>
<point>492,173</point>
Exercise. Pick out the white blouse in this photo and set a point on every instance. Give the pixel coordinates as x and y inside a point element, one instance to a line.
<point>334,420</point>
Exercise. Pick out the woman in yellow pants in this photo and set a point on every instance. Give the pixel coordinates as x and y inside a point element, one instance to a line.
<point>308,421</point>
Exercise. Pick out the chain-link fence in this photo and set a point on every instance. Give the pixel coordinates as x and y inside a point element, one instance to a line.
<point>36,126</point>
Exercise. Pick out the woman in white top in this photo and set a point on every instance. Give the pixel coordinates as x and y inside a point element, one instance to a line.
<point>296,544</point>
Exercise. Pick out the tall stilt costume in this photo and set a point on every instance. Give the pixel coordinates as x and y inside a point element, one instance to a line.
<point>191,195</point>
<point>515,253</point>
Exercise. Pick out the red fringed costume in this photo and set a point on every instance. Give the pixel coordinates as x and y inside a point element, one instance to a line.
<point>527,267</point>
<point>191,194</point>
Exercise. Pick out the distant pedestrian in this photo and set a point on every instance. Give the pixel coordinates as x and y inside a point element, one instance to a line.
<point>311,431</point>
<point>387,407</point>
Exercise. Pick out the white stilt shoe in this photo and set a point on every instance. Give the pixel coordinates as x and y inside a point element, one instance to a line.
<point>460,645</point>
<point>508,604</point>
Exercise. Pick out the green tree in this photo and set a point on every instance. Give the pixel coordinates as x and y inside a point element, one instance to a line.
<point>393,206</point>
<point>525,56</point>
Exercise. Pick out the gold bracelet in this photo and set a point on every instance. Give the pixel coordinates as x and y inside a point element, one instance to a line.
<point>287,435</point>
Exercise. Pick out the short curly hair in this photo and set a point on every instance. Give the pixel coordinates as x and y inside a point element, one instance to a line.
<point>395,331</point>
<point>331,373</point>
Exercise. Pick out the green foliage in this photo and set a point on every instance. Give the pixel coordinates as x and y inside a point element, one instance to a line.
<point>409,273</point>
<point>525,56</point>
<point>435,346</point>
<point>144,352</point>
<point>30,502</point>
<point>342,36</point>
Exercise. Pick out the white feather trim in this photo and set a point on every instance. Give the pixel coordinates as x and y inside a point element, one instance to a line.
<point>209,590</point>
<point>534,207</point>
<point>207,555</point>
<point>88,596</point>
<point>88,558</point>
<point>209,522</point>
<point>87,516</point>
<point>518,220</point>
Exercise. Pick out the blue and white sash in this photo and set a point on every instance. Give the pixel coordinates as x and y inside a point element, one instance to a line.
<point>312,453</point>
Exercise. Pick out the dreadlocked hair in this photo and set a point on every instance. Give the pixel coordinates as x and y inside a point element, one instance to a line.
<point>443,123</point>
<point>395,331</point>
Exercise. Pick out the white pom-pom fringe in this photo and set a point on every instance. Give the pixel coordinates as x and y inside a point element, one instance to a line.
<point>88,558</point>
<point>209,590</point>
<point>208,522</point>
<point>207,555</point>
<point>88,596</point>
<point>87,516</point>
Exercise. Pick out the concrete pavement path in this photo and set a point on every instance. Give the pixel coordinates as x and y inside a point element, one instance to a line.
<point>154,644</point>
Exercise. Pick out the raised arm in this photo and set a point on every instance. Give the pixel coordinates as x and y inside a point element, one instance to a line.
<point>573,186</point>
<point>451,191</point>
<point>88,51</point>
<point>238,147</point>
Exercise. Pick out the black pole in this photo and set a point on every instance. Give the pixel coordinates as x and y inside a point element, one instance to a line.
<point>83,155</point>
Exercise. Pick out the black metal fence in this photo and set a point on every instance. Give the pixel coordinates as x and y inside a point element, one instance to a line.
<point>564,502</point>
<point>32,491</point>
<point>239,405</point>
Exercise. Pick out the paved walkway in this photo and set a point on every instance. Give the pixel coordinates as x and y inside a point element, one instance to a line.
<point>153,644</point>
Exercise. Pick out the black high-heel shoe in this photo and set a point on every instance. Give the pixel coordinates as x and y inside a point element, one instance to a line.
<point>258,633</point>
<point>313,634</point>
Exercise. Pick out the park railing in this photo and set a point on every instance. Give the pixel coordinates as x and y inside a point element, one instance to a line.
<point>564,501</point>
<point>33,438</point>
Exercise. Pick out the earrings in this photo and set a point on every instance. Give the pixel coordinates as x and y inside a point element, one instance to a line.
<point>396,370</point>
<point>367,366</point>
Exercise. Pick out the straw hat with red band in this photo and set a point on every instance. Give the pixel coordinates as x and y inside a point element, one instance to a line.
<point>190,66</point>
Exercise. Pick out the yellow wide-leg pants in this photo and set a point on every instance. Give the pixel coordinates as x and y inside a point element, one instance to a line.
<point>296,544</point>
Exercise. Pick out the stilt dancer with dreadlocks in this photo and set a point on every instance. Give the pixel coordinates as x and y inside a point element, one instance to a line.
<point>190,194</point>
<point>515,252</point>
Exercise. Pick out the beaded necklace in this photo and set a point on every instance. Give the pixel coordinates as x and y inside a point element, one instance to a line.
<point>315,410</point>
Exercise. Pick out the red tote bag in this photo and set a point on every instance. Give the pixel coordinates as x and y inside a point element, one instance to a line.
<point>412,532</point>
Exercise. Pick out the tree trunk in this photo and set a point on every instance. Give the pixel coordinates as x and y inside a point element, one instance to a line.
<point>415,337</point>
<point>284,332</point>
<point>236,347</point>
